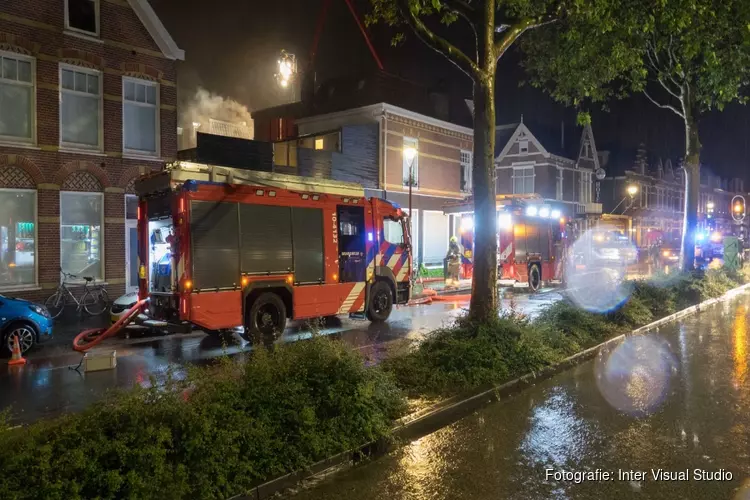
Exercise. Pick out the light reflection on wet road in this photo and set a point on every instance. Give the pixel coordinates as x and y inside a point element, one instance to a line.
<point>681,401</point>
<point>47,387</point>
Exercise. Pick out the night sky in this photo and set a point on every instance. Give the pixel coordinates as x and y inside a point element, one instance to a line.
<point>231,49</point>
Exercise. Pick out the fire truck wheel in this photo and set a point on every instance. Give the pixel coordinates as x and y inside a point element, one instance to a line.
<point>267,315</point>
<point>381,302</point>
<point>535,277</point>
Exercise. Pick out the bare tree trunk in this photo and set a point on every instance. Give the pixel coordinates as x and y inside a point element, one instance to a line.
<point>692,190</point>
<point>484,285</point>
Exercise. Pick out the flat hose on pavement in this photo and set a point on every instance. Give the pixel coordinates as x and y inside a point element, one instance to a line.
<point>91,337</point>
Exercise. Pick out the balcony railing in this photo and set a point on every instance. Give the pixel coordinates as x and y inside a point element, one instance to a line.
<point>588,208</point>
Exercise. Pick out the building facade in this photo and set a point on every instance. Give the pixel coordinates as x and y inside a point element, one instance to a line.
<point>370,145</point>
<point>656,205</point>
<point>563,181</point>
<point>87,103</point>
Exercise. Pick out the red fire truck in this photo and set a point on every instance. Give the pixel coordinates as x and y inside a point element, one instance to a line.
<point>222,247</point>
<point>532,241</point>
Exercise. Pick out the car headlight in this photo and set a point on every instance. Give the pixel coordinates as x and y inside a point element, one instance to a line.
<point>39,310</point>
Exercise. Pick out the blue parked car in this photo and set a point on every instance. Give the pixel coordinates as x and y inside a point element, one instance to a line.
<point>30,322</point>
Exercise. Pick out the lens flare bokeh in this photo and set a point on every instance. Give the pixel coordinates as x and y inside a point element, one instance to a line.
<point>596,268</point>
<point>635,376</point>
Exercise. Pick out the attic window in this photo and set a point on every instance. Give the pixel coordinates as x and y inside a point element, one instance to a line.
<point>523,146</point>
<point>82,15</point>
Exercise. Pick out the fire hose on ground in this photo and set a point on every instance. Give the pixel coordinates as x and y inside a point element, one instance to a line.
<point>93,336</point>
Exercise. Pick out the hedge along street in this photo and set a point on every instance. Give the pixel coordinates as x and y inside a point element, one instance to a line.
<point>282,411</point>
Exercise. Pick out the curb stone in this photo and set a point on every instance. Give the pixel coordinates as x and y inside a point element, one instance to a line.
<point>445,413</point>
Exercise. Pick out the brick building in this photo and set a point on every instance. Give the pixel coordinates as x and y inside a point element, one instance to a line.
<point>534,160</point>
<point>87,103</point>
<point>657,207</point>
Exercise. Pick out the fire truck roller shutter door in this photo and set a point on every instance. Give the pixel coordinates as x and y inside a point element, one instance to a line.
<point>266,238</point>
<point>215,241</point>
<point>307,238</point>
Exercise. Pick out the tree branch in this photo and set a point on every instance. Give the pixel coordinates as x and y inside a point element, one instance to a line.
<point>444,47</point>
<point>668,89</point>
<point>469,14</point>
<point>511,34</point>
<point>664,106</point>
<point>462,8</point>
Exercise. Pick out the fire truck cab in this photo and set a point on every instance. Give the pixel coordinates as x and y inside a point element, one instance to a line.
<point>221,247</point>
<point>532,241</point>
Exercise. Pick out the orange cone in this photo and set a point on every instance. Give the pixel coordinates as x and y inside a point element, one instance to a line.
<point>17,359</point>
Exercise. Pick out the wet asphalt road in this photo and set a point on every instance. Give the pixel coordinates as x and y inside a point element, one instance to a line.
<point>47,386</point>
<point>676,399</point>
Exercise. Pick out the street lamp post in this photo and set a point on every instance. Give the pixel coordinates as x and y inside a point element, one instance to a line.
<point>410,155</point>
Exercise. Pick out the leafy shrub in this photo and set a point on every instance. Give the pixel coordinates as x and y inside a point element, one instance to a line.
<point>467,355</point>
<point>243,423</point>
<point>657,296</point>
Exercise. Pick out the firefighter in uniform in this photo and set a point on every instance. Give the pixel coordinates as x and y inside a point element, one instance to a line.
<point>453,258</point>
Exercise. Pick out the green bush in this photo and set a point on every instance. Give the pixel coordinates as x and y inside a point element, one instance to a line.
<point>242,423</point>
<point>466,355</point>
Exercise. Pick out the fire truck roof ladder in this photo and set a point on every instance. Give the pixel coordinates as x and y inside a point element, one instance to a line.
<point>183,171</point>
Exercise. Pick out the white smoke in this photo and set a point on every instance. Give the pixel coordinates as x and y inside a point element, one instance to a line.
<point>204,110</point>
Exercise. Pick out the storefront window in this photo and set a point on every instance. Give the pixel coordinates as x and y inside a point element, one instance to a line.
<point>17,237</point>
<point>81,234</point>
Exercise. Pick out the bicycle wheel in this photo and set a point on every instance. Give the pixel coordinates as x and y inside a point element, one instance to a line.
<point>95,302</point>
<point>55,304</point>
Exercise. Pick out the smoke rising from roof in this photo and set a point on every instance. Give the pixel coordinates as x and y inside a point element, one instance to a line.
<point>204,106</point>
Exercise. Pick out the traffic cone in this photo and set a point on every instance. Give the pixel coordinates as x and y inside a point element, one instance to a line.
<point>17,359</point>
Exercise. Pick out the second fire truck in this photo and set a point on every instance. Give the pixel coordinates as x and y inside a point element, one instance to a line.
<point>532,241</point>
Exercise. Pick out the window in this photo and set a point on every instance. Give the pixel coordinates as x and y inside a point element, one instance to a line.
<point>466,163</point>
<point>81,217</point>
<point>285,154</point>
<point>585,187</point>
<point>82,15</point>
<point>411,165</point>
<point>80,108</point>
<point>140,116</point>
<point>523,180</point>
<point>393,232</point>
<point>17,237</point>
<point>319,143</point>
<point>523,147</point>
<point>559,186</point>
<point>17,97</point>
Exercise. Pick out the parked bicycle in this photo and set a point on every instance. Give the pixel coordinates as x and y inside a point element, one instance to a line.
<point>94,298</point>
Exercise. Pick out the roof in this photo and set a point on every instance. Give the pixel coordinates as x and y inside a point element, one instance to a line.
<point>156,29</point>
<point>378,109</point>
<point>358,91</point>
<point>503,133</point>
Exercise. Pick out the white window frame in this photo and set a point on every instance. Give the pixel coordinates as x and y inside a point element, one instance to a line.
<point>157,126</point>
<point>559,184</point>
<point>97,10</point>
<point>466,160</point>
<point>35,285</point>
<point>129,224</point>
<point>585,196</point>
<point>523,168</point>
<point>103,280</point>
<point>410,142</point>
<point>6,139</point>
<point>523,147</point>
<point>72,145</point>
